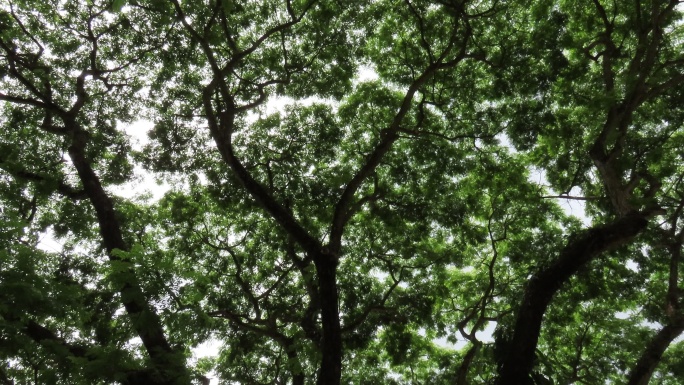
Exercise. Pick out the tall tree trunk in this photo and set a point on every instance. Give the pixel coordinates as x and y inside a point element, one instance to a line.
<point>331,345</point>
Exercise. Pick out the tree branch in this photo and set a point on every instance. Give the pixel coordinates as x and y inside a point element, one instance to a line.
<point>388,136</point>
<point>222,130</point>
<point>24,101</point>
<point>650,358</point>
<point>62,187</point>
<point>642,372</point>
<point>542,287</point>
<point>44,336</point>
<point>570,197</point>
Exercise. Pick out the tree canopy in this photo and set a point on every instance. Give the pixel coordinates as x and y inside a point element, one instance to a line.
<point>358,192</point>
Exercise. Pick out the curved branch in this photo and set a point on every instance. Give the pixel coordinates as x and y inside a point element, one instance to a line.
<point>222,130</point>
<point>379,307</point>
<point>542,287</point>
<point>146,322</point>
<point>21,100</point>
<point>650,358</point>
<point>62,187</point>
<point>44,336</point>
<point>247,324</point>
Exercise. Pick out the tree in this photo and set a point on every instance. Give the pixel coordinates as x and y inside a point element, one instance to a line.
<point>330,227</point>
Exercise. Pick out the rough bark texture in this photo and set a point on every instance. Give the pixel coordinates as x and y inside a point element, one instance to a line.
<point>543,286</point>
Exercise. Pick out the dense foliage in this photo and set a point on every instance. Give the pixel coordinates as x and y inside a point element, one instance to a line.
<point>357,192</point>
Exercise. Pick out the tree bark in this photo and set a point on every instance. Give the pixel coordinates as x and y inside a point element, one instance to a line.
<point>462,373</point>
<point>645,366</point>
<point>297,378</point>
<point>541,288</point>
<point>44,336</point>
<point>331,344</point>
<point>168,363</point>
<point>643,370</point>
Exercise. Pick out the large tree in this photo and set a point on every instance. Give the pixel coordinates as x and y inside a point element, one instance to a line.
<point>357,192</point>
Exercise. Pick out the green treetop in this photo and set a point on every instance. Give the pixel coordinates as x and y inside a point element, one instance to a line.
<point>358,192</point>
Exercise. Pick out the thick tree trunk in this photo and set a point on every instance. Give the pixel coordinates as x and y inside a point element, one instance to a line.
<point>331,345</point>
<point>643,370</point>
<point>169,364</point>
<point>543,286</point>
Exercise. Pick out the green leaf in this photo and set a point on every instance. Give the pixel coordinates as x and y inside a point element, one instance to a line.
<point>117,5</point>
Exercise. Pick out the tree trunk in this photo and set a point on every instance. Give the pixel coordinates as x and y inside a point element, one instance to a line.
<point>462,374</point>
<point>331,345</point>
<point>541,288</point>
